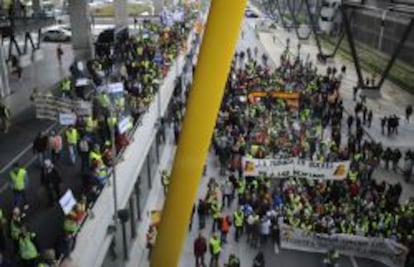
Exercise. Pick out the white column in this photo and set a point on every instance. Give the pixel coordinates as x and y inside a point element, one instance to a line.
<point>36,6</point>
<point>158,6</point>
<point>81,29</point>
<point>121,12</point>
<point>4,77</point>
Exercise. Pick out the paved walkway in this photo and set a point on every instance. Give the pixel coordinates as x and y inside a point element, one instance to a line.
<point>44,74</point>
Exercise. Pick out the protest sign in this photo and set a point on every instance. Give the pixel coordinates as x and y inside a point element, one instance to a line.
<point>294,167</point>
<point>124,125</point>
<point>114,88</point>
<point>49,107</point>
<point>277,168</point>
<point>291,98</point>
<point>383,250</point>
<point>67,119</point>
<point>67,202</point>
<point>308,169</point>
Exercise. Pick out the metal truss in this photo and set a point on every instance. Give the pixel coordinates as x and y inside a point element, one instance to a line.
<point>346,10</point>
<point>294,11</point>
<point>355,57</point>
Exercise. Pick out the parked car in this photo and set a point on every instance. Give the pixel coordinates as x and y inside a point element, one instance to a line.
<point>57,35</point>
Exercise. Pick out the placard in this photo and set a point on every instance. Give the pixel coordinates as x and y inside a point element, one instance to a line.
<point>67,202</point>
<point>294,167</point>
<point>67,118</point>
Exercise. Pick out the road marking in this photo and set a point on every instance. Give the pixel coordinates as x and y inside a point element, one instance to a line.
<point>353,261</point>
<point>24,151</point>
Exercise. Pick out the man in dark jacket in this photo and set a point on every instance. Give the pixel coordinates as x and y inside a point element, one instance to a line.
<point>51,180</point>
<point>200,249</point>
<point>202,210</point>
<point>40,145</point>
<point>396,156</point>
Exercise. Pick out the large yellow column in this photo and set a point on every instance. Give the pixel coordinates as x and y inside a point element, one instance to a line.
<point>215,57</point>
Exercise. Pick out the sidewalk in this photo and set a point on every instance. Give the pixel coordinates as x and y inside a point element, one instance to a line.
<point>43,74</point>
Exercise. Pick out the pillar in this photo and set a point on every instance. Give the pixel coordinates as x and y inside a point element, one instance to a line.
<point>216,54</point>
<point>36,6</point>
<point>4,78</point>
<point>121,12</point>
<point>81,29</point>
<point>158,6</point>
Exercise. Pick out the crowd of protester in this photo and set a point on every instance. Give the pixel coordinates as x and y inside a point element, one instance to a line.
<point>313,128</point>
<point>140,62</point>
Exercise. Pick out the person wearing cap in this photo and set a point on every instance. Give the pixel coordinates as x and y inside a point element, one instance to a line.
<point>72,138</point>
<point>19,182</point>
<point>51,180</point>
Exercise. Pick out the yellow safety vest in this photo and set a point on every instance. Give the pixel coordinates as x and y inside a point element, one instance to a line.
<point>15,229</point>
<point>241,186</point>
<point>90,124</point>
<point>238,218</point>
<point>215,245</point>
<point>94,156</point>
<point>18,178</point>
<point>72,136</point>
<point>112,121</point>
<point>353,175</point>
<point>27,249</point>
<point>66,85</point>
<point>103,100</point>
<point>70,226</point>
<point>215,206</point>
